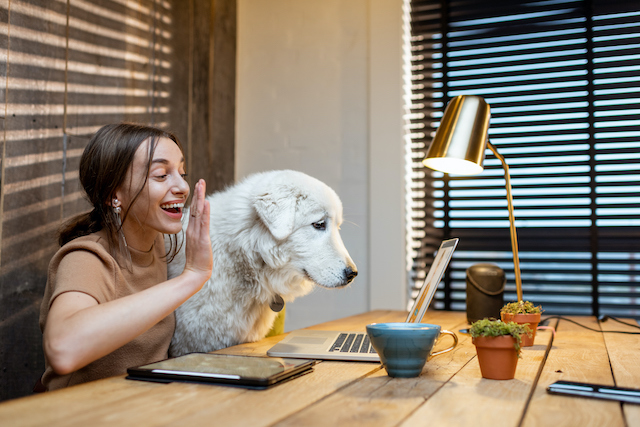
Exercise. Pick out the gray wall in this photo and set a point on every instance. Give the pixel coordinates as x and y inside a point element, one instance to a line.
<point>67,68</point>
<point>320,90</point>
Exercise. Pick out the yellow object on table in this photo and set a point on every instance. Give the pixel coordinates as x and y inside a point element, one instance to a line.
<point>278,324</point>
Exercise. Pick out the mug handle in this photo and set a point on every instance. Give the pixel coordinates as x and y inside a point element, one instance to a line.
<point>455,343</point>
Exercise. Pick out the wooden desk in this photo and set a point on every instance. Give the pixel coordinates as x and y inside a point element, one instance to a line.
<point>450,391</point>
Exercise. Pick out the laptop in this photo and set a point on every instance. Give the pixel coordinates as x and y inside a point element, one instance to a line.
<point>345,345</point>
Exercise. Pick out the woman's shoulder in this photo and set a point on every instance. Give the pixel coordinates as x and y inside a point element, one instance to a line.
<point>83,264</point>
<point>95,243</point>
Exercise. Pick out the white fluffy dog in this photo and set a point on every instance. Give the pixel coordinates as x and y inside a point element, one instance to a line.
<point>274,235</point>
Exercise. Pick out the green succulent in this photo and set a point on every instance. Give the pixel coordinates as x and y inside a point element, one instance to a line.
<point>521,307</point>
<point>498,328</point>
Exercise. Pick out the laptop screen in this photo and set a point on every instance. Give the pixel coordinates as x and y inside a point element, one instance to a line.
<point>428,290</point>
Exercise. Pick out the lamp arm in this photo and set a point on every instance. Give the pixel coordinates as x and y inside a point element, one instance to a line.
<point>512,221</point>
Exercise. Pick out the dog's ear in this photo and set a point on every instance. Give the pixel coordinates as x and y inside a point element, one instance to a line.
<point>277,209</point>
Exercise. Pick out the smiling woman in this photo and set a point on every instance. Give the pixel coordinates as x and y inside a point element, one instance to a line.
<point>108,304</point>
<point>115,168</point>
<point>66,69</point>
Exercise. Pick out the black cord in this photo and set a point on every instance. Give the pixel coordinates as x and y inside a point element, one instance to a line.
<point>595,330</point>
<point>606,317</point>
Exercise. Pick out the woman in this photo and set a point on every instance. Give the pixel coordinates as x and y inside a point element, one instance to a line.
<point>108,304</point>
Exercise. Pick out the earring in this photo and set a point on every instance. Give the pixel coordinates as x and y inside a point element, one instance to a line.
<point>122,241</point>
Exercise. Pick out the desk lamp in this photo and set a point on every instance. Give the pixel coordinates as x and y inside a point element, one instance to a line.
<point>459,147</point>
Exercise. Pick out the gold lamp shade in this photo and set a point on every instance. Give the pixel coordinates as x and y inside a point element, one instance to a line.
<point>459,147</point>
<point>461,138</point>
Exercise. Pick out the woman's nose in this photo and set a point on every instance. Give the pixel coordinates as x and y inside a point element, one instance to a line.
<point>182,186</point>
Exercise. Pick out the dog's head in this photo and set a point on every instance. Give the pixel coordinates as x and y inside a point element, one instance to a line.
<point>303,215</point>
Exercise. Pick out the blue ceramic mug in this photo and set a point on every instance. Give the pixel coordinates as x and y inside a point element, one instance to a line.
<point>404,347</point>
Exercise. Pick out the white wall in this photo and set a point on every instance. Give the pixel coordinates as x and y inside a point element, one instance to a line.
<point>320,91</point>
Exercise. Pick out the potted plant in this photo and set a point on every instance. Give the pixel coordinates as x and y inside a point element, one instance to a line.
<point>524,313</point>
<point>498,345</point>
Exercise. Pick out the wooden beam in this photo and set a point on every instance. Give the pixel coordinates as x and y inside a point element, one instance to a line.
<point>204,88</point>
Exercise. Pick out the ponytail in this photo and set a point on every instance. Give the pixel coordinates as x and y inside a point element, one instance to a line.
<point>78,226</point>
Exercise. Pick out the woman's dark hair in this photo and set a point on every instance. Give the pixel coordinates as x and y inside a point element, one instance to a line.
<point>103,168</point>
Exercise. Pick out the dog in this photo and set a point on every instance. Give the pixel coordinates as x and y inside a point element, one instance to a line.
<point>274,236</point>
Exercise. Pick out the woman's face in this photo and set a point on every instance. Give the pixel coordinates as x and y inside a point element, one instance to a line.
<point>159,206</point>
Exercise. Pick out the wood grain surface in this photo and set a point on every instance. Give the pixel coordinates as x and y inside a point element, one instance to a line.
<point>449,392</point>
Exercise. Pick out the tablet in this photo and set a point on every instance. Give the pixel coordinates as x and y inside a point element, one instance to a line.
<point>226,369</point>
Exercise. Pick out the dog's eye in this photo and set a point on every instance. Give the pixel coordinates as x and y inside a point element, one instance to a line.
<point>320,225</point>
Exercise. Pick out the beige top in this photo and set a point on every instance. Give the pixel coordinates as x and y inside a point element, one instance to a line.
<point>85,265</point>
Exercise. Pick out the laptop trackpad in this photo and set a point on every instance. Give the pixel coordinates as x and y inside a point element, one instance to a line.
<point>307,340</point>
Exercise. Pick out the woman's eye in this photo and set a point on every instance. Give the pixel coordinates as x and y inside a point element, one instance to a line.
<point>184,176</point>
<point>161,176</point>
<point>320,225</point>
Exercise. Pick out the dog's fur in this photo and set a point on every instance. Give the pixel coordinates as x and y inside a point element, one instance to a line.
<point>273,233</point>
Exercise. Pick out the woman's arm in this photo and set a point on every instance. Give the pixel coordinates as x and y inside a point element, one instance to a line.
<point>79,330</point>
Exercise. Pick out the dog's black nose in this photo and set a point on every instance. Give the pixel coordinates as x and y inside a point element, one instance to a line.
<point>350,274</point>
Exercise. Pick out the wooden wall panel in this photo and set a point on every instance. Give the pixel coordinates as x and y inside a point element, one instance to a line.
<point>112,64</point>
<point>212,101</point>
<point>31,185</point>
<point>4,39</point>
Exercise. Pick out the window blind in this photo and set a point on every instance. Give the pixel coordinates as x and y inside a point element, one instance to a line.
<point>561,78</point>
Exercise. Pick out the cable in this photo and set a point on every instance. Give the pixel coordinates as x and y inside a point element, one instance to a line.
<point>606,317</point>
<point>595,330</point>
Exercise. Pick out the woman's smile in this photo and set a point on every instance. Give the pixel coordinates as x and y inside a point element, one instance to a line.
<point>173,209</point>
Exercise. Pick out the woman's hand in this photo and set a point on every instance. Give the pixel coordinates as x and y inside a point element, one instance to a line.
<point>199,257</point>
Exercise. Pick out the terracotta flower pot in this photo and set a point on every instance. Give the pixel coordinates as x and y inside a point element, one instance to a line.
<point>532,319</point>
<point>497,357</point>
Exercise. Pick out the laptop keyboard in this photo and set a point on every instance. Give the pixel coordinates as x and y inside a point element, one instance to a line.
<point>352,343</point>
